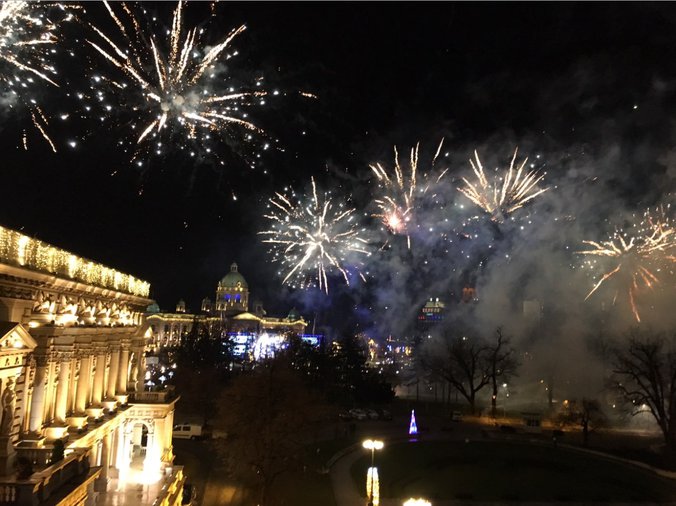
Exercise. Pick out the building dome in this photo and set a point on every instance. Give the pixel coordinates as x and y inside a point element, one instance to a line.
<point>293,315</point>
<point>233,279</point>
<point>153,308</point>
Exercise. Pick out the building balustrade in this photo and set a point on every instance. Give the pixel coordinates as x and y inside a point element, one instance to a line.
<point>159,397</point>
<point>45,483</point>
<point>38,457</point>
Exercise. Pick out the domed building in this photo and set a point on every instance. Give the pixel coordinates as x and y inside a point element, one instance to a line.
<point>231,307</point>
<point>232,293</point>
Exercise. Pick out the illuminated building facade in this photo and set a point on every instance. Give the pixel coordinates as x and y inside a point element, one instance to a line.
<point>431,314</point>
<point>254,334</point>
<point>72,359</point>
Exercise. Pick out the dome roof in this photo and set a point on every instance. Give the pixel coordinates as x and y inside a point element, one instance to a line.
<point>153,308</point>
<point>293,315</point>
<point>233,279</point>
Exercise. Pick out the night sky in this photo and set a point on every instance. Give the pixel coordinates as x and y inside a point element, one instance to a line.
<point>584,85</point>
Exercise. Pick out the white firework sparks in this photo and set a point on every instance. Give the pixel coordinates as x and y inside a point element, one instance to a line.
<point>178,85</point>
<point>505,194</point>
<point>28,37</point>
<point>642,254</point>
<point>400,193</point>
<point>310,239</point>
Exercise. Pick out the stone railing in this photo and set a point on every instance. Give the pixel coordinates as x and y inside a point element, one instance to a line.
<point>43,484</point>
<point>159,397</point>
<point>38,457</point>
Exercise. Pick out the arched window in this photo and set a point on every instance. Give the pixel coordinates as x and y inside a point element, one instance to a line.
<point>238,298</point>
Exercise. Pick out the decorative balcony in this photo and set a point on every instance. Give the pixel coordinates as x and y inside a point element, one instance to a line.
<point>66,481</point>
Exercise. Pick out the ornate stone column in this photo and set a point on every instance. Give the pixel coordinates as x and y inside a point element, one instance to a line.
<point>83,381</point>
<point>72,388</point>
<point>123,372</point>
<point>37,408</point>
<point>98,377</point>
<point>112,373</point>
<point>62,388</point>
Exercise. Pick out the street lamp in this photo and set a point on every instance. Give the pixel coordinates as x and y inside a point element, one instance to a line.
<point>417,502</point>
<point>373,445</point>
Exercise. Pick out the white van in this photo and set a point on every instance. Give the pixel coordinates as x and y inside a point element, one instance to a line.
<point>190,431</point>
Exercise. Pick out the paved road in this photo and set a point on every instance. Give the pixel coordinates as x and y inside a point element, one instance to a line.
<point>202,470</point>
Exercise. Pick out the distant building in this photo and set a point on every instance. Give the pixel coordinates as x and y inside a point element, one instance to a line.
<point>431,314</point>
<point>248,330</point>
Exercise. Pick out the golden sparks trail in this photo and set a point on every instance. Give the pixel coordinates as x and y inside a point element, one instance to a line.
<point>504,195</point>
<point>642,254</point>
<point>178,81</point>
<point>400,193</point>
<point>28,36</point>
<point>310,239</point>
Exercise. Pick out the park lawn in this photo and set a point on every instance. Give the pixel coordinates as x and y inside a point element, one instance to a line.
<point>501,470</point>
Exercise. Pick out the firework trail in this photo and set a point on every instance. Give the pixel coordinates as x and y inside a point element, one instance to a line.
<point>400,194</point>
<point>641,255</point>
<point>176,85</point>
<point>313,236</point>
<point>504,195</point>
<point>28,37</point>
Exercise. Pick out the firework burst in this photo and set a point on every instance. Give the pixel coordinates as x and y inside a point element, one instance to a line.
<point>504,195</point>
<point>177,85</point>
<point>28,37</point>
<point>641,255</point>
<point>310,239</point>
<point>400,193</point>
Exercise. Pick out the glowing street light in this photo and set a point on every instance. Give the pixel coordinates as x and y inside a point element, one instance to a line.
<point>417,502</point>
<point>373,445</point>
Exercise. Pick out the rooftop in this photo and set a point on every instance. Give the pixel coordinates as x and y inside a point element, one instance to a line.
<point>22,251</point>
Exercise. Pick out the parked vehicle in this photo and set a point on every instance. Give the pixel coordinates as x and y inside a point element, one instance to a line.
<point>384,414</point>
<point>191,431</point>
<point>345,416</point>
<point>189,495</point>
<point>358,414</point>
<point>456,416</point>
<point>372,414</point>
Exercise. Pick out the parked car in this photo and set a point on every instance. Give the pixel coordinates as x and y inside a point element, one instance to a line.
<point>189,495</point>
<point>191,431</point>
<point>372,414</point>
<point>358,414</point>
<point>456,416</point>
<point>384,414</point>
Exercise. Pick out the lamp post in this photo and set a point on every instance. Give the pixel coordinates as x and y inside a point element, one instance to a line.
<point>373,445</point>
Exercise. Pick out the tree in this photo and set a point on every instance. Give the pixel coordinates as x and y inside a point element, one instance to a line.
<point>644,372</point>
<point>202,369</point>
<point>460,360</point>
<point>587,414</point>
<point>269,414</point>
<point>502,364</point>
